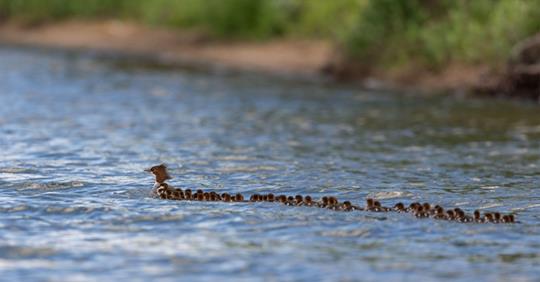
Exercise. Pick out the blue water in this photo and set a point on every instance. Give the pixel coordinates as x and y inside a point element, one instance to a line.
<point>76,133</point>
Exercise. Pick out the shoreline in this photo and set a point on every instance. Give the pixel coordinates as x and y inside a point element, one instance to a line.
<point>306,59</point>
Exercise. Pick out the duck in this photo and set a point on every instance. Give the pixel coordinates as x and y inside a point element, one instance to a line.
<point>238,198</point>
<point>489,217</point>
<point>308,201</point>
<point>161,174</point>
<point>477,216</point>
<point>369,204</point>
<point>413,206</point>
<point>298,200</point>
<point>399,207</point>
<point>166,191</point>
<point>497,217</point>
<point>439,213</point>
<point>226,197</point>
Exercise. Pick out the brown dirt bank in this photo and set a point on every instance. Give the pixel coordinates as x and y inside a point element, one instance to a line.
<point>298,58</point>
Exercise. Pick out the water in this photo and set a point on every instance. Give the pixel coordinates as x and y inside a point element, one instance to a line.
<point>76,133</point>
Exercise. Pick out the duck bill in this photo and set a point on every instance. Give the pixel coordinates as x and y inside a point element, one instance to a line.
<point>148,169</point>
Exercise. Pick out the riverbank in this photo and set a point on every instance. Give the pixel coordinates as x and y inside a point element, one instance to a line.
<point>297,58</point>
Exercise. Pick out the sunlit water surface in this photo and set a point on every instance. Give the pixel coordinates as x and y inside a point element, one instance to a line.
<point>77,132</point>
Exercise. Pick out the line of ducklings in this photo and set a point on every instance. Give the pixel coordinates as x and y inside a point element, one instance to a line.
<point>425,210</point>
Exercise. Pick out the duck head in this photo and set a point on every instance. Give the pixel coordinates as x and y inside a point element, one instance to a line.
<point>160,172</point>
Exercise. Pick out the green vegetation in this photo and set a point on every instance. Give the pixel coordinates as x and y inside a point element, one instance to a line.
<point>380,33</point>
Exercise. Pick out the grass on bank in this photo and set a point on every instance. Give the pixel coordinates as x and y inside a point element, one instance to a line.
<point>376,33</point>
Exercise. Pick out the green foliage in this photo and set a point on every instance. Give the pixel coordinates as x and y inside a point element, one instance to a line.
<point>391,33</point>
<point>381,33</point>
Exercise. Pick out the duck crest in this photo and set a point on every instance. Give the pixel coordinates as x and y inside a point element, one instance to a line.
<point>161,174</point>
<point>426,210</point>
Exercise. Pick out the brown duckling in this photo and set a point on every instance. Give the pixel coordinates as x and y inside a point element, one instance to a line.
<point>369,204</point>
<point>434,210</point>
<point>399,207</point>
<point>426,207</point>
<point>206,196</point>
<point>187,194</point>
<point>497,217</point>
<point>439,213</point>
<point>298,200</point>
<point>282,199</point>
<point>489,217</point>
<point>290,201</point>
<point>477,216</point>
<point>254,198</point>
<point>200,196</point>
<point>333,203</point>
<point>264,197</point>
<point>175,195</point>
<point>308,201</point>
<point>413,206</point>
<point>378,207</point>
<point>270,197</point>
<point>347,206</point>
<point>420,212</point>
<point>510,218</point>
<point>180,194</point>
<point>461,216</point>
<point>450,215</point>
<point>226,197</point>
<point>238,198</point>
<point>324,202</point>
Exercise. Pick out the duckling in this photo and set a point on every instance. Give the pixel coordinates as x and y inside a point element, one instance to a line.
<point>450,215</point>
<point>308,201</point>
<point>333,203</point>
<point>427,207</point>
<point>413,206</point>
<point>226,197</point>
<point>510,218</point>
<point>420,212</point>
<point>270,197</point>
<point>460,215</point>
<point>175,195</point>
<point>161,192</point>
<point>497,217</point>
<point>200,196</point>
<point>489,217</point>
<point>439,213</point>
<point>206,196</point>
<point>180,194</point>
<point>399,207</point>
<point>254,198</point>
<point>282,199</point>
<point>369,204</point>
<point>298,200</point>
<point>324,202</point>
<point>264,198</point>
<point>347,206</point>
<point>434,210</point>
<point>238,198</point>
<point>290,201</point>
<point>215,196</point>
<point>477,217</point>
<point>187,194</point>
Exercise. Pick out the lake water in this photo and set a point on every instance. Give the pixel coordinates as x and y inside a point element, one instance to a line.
<point>76,133</point>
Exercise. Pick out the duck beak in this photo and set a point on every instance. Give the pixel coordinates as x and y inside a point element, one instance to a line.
<point>148,170</point>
